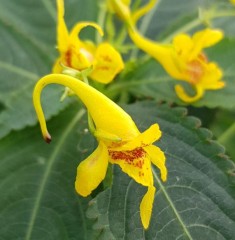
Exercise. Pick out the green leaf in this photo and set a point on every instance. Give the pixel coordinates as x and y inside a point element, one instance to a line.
<point>98,210</point>
<point>165,14</point>
<point>198,199</point>
<point>38,200</point>
<point>150,80</point>
<point>223,127</point>
<point>27,46</point>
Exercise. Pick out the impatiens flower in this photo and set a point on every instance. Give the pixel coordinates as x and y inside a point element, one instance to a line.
<point>183,59</point>
<point>119,142</point>
<point>80,55</point>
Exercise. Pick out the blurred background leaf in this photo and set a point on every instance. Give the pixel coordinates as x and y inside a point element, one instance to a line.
<point>38,199</point>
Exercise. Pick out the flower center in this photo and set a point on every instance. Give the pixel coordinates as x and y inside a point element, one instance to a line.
<point>195,68</point>
<point>78,58</point>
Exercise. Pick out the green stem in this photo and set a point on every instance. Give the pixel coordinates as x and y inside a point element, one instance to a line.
<point>85,79</point>
<point>227,135</point>
<point>101,20</point>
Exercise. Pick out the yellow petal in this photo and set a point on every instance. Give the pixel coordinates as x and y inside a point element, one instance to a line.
<point>62,31</point>
<point>207,37</point>
<point>121,8</point>
<point>57,67</point>
<point>212,77</point>
<point>146,138</point>
<point>204,39</point>
<point>80,58</point>
<point>135,163</point>
<point>80,54</point>
<point>108,63</point>
<point>185,97</point>
<point>183,45</point>
<point>106,115</point>
<point>158,158</point>
<point>146,206</point>
<point>143,10</point>
<point>92,171</point>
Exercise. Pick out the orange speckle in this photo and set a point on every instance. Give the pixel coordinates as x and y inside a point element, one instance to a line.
<point>106,58</point>
<point>134,157</point>
<point>195,68</point>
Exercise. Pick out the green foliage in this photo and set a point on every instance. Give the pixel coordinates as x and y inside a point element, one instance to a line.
<point>38,199</point>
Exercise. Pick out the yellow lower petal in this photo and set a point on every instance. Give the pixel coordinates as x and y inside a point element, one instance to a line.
<point>212,77</point>
<point>135,163</point>
<point>92,171</point>
<point>146,206</point>
<point>108,63</point>
<point>185,97</point>
<point>158,158</point>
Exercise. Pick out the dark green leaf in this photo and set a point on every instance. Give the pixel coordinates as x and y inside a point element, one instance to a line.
<point>38,200</point>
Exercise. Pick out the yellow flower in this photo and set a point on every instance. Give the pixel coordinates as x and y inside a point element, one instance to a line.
<point>183,59</point>
<point>119,142</point>
<point>80,55</point>
<point>232,1</point>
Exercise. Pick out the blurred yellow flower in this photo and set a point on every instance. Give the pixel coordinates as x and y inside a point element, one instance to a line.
<point>106,62</point>
<point>183,59</point>
<point>119,142</point>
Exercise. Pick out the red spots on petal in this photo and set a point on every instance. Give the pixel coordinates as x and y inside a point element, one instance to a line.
<point>77,58</point>
<point>103,68</point>
<point>133,157</point>
<point>106,58</point>
<point>141,174</point>
<point>68,58</point>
